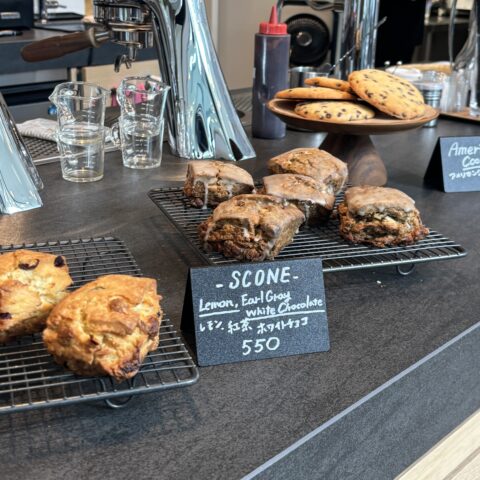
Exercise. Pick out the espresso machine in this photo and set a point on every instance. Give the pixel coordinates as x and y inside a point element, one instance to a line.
<point>202,121</point>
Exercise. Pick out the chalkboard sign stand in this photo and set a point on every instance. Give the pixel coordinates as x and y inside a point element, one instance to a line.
<point>434,173</point>
<point>254,311</point>
<point>455,164</point>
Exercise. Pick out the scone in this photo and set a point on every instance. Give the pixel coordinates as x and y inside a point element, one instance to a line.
<point>251,227</point>
<point>380,216</point>
<point>31,284</point>
<point>212,182</point>
<point>392,95</point>
<point>313,199</point>
<point>334,111</point>
<point>312,162</point>
<point>314,93</point>
<point>106,327</point>
<point>329,82</point>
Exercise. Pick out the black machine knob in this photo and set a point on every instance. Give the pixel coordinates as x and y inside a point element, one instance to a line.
<point>310,39</point>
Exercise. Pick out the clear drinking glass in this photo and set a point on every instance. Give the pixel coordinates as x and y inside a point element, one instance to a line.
<point>142,106</point>
<point>81,132</point>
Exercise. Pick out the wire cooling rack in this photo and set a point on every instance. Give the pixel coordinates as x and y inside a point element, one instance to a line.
<point>324,241</point>
<point>29,378</point>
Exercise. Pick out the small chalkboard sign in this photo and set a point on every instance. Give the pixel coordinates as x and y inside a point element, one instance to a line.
<point>243,312</point>
<point>455,164</point>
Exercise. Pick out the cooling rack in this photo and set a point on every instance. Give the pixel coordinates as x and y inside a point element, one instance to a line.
<point>29,378</point>
<point>324,241</point>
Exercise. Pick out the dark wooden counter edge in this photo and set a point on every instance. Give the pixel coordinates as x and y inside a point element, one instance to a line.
<point>384,432</point>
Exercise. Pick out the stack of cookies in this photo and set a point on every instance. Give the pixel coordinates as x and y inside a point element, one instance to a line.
<point>331,99</point>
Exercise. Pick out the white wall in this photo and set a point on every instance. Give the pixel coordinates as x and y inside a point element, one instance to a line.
<point>238,21</point>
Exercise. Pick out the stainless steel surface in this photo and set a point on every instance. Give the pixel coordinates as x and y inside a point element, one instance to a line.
<point>202,121</point>
<point>29,378</point>
<point>324,241</point>
<point>19,179</point>
<point>298,75</point>
<point>359,36</point>
<point>46,5</point>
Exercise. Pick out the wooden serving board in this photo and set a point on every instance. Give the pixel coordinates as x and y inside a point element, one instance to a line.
<point>462,115</point>
<point>380,125</point>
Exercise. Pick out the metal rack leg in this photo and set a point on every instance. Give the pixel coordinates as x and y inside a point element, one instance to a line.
<point>118,403</point>
<point>406,271</point>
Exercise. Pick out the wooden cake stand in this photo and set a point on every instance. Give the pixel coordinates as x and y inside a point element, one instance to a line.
<point>350,141</point>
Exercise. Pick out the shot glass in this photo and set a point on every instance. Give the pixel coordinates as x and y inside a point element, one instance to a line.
<point>140,127</point>
<point>81,132</point>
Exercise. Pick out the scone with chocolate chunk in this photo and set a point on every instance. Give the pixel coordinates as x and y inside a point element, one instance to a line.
<point>380,216</point>
<point>312,198</point>
<point>312,162</point>
<point>212,182</point>
<point>106,327</point>
<point>251,227</point>
<point>31,284</point>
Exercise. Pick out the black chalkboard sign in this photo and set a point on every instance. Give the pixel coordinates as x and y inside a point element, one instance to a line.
<point>455,164</point>
<point>243,312</point>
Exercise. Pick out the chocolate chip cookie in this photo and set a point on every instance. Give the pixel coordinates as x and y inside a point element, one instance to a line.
<point>314,93</point>
<point>334,111</point>
<point>329,82</point>
<point>390,94</point>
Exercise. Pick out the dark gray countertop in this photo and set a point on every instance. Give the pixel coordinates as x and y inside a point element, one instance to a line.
<point>239,416</point>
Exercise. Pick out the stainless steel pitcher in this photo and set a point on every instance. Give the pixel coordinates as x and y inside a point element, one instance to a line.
<point>359,35</point>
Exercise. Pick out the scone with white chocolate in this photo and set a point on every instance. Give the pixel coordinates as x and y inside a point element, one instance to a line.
<point>210,182</point>
<point>313,199</point>
<point>31,284</point>
<point>312,162</point>
<point>106,327</point>
<point>380,216</point>
<point>251,227</point>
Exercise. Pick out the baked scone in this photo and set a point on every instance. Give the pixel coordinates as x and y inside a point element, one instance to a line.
<point>106,327</point>
<point>210,182</point>
<point>392,95</point>
<point>31,284</point>
<point>380,216</point>
<point>312,162</point>
<point>313,199</point>
<point>251,227</point>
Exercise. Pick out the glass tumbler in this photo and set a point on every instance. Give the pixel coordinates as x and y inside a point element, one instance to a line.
<point>142,107</point>
<point>431,86</point>
<point>81,131</point>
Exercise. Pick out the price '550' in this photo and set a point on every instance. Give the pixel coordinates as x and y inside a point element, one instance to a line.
<point>259,345</point>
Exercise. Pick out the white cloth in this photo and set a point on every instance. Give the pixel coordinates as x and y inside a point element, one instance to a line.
<point>39,128</point>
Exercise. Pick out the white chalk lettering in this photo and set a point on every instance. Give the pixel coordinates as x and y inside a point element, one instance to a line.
<point>208,306</point>
<point>271,276</point>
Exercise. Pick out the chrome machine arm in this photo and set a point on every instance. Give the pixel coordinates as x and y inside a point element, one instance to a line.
<point>202,121</point>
